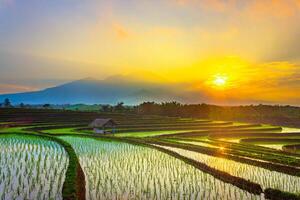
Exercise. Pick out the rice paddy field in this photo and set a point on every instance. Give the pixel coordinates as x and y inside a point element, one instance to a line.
<point>31,168</point>
<point>144,174</point>
<point>266,178</point>
<point>54,154</point>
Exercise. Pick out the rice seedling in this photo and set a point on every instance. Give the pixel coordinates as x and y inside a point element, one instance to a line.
<point>116,170</point>
<point>31,168</point>
<point>290,130</point>
<point>149,133</point>
<point>266,178</point>
<point>272,146</point>
<point>198,143</point>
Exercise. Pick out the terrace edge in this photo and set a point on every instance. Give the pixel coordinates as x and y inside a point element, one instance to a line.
<point>74,184</point>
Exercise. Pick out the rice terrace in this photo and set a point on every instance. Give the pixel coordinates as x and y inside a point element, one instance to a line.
<point>54,154</point>
<point>149,100</point>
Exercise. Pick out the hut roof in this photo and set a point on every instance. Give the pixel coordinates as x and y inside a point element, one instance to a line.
<point>98,123</point>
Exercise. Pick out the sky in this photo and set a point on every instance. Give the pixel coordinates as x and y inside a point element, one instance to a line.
<point>228,49</point>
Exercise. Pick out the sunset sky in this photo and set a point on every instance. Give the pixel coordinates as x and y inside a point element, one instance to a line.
<point>242,49</point>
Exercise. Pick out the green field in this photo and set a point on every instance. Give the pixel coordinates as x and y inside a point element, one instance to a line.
<point>149,157</point>
<point>144,174</point>
<point>33,167</point>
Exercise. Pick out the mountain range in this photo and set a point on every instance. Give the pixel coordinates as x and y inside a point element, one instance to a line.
<point>108,91</point>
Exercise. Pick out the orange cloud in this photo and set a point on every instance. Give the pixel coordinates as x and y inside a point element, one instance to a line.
<point>298,3</point>
<point>248,81</point>
<point>211,5</point>
<point>12,88</point>
<point>255,8</point>
<point>276,8</point>
<point>225,35</point>
<point>219,5</point>
<point>120,31</point>
<point>182,2</point>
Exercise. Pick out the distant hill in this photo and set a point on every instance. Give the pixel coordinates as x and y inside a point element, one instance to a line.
<point>108,91</point>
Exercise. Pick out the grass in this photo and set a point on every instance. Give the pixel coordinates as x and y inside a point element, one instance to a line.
<point>277,194</point>
<point>272,146</point>
<point>148,133</point>
<point>72,186</point>
<point>294,148</point>
<point>62,131</point>
<point>19,129</point>
<point>71,189</point>
<point>271,140</point>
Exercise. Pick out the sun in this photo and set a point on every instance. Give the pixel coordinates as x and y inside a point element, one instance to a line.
<point>220,80</point>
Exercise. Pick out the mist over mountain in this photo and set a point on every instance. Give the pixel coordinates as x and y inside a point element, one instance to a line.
<point>108,91</point>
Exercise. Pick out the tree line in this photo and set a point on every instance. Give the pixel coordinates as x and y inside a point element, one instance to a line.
<point>275,114</point>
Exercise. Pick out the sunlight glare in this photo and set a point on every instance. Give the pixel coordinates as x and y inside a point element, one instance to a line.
<point>220,80</point>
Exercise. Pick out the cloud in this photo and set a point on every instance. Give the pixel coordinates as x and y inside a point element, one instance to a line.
<point>273,82</point>
<point>121,32</point>
<point>228,34</point>
<point>182,2</point>
<point>276,82</point>
<point>209,5</point>
<point>286,46</point>
<point>273,8</point>
<point>12,88</point>
<point>253,8</point>
<point>219,5</point>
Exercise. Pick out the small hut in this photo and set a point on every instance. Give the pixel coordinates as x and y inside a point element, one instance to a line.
<point>102,126</point>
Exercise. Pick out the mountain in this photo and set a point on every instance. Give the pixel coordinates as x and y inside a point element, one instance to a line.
<point>108,91</point>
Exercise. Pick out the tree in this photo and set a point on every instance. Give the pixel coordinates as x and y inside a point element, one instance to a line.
<point>119,107</point>
<point>106,108</point>
<point>7,103</point>
<point>22,105</point>
<point>47,105</point>
<point>150,108</point>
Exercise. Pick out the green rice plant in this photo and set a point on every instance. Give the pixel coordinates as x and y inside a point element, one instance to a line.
<point>239,149</point>
<point>266,178</point>
<point>148,133</point>
<point>31,168</point>
<point>116,170</point>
